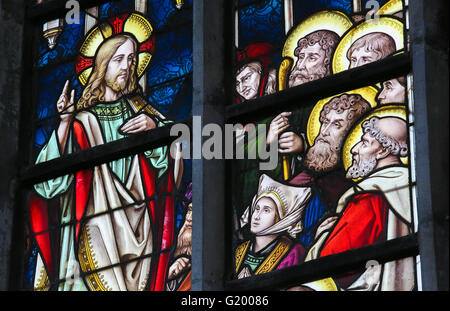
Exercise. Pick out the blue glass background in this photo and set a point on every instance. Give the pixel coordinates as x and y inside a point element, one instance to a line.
<point>261,22</point>
<point>115,8</point>
<point>304,8</point>
<point>169,77</point>
<point>51,84</point>
<point>172,57</point>
<point>43,132</point>
<point>67,44</point>
<point>171,60</point>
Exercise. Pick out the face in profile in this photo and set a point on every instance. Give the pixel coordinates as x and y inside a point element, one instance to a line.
<point>264,215</point>
<point>392,92</point>
<point>119,67</point>
<point>247,82</point>
<point>309,66</point>
<point>364,157</point>
<point>184,244</point>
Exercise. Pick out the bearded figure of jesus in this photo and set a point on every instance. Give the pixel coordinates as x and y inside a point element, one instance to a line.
<point>109,218</point>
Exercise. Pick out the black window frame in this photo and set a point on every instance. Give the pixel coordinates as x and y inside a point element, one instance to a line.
<point>212,220</point>
<point>29,173</point>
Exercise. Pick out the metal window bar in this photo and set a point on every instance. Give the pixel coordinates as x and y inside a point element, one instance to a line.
<point>382,70</point>
<point>35,15</point>
<point>385,69</point>
<point>330,265</point>
<point>97,155</point>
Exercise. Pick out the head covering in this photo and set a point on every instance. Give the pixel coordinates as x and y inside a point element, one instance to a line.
<point>260,52</point>
<point>290,202</point>
<point>257,52</point>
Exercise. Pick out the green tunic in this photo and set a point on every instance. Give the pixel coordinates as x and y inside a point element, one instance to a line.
<point>111,117</point>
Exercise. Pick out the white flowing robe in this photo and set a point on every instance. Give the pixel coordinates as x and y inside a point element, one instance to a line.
<point>107,238</point>
<point>396,275</point>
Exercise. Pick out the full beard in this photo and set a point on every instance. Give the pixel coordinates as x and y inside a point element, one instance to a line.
<point>362,168</point>
<point>322,156</point>
<point>298,77</point>
<point>116,84</point>
<point>184,244</point>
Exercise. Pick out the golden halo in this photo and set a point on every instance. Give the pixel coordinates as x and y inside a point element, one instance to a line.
<point>388,25</point>
<point>133,23</point>
<point>355,135</point>
<point>369,93</point>
<point>391,7</point>
<point>334,21</point>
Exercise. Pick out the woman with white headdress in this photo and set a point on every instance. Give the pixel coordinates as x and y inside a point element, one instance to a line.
<point>275,220</point>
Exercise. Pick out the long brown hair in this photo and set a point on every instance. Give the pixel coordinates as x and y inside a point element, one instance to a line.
<point>95,89</point>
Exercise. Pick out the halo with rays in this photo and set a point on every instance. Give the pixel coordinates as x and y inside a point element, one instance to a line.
<point>132,23</point>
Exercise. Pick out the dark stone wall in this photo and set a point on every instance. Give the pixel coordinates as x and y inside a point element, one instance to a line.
<point>11,25</point>
<point>429,46</point>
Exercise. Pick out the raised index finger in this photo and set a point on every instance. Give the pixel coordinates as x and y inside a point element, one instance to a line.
<point>66,88</point>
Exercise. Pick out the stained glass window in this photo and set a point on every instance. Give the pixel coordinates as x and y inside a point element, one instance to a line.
<point>122,69</point>
<point>344,174</point>
<point>309,41</point>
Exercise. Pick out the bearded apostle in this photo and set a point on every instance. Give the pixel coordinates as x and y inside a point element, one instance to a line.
<point>321,167</point>
<point>377,209</point>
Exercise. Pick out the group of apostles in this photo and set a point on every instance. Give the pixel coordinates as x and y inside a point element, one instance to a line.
<point>347,181</point>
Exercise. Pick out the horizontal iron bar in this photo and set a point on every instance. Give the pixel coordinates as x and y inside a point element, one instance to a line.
<point>385,69</point>
<point>97,155</point>
<point>329,266</point>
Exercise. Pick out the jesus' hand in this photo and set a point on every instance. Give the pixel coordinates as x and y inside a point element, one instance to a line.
<point>65,105</point>
<point>139,123</point>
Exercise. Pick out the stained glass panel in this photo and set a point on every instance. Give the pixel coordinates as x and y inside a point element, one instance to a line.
<point>369,278</point>
<point>341,179</point>
<point>125,68</point>
<point>136,221</point>
<point>312,40</point>
<point>164,61</point>
<point>261,22</point>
